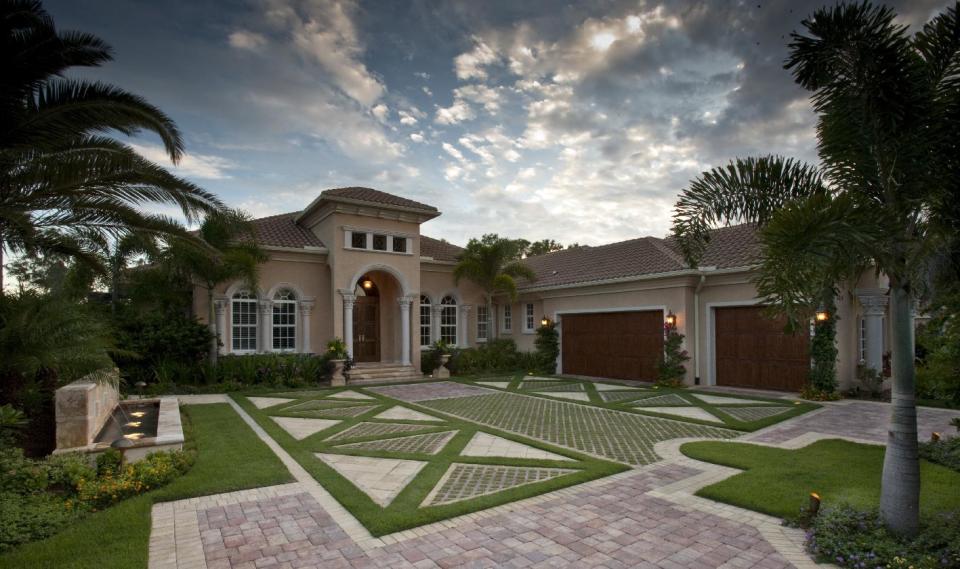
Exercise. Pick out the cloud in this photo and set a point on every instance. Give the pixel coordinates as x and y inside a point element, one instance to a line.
<point>470,65</point>
<point>243,39</point>
<point>192,165</point>
<point>417,137</point>
<point>381,111</point>
<point>457,112</point>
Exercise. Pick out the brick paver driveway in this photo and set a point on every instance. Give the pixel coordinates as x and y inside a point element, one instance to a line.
<point>646,517</point>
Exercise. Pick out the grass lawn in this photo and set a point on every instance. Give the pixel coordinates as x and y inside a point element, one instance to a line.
<point>230,457</point>
<point>778,481</point>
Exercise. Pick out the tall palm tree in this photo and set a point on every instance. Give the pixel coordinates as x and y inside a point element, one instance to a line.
<point>61,179</point>
<point>493,263</point>
<point>227,253</point>
<point>888,107</point>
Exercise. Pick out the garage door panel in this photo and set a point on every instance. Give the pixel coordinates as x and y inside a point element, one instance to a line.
<point>753,350</point>
<point>621,345</point>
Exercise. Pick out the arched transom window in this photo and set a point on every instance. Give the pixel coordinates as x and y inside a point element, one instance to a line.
<point>448,320</point>
<point>243,309</point>
<point>425,321</point>
<point>284,321</point>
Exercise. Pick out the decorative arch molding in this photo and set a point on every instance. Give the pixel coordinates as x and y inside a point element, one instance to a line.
<point>275,288</point>
<point>239,285</point>
<point>455,293</point>
<point>404,285</point>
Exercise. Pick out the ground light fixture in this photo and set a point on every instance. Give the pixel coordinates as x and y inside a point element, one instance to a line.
<point>814,503</point>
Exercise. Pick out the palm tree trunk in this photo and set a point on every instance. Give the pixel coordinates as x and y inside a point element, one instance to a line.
<point>900,487</point>
<point>212,323</point>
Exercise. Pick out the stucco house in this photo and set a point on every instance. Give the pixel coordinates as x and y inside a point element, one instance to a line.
<point>355,265</point>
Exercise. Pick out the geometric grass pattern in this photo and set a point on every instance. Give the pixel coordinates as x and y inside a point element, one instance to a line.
<point>619,436</point>
<point>659,400</point>
<point>351,411</point>
<point>264,402</point>
<point>609,396</point>
<point>541,383</point>
<point>465,481</point>
<point>313,404</point>
<point>404,414</point>
<point>561,387</point>
<point>722,400</point>
<point>303,428</point>
<point>379,478</point>
<point>684,412</point>
<point>376,429</point>
<point>564,395</point>
<point>754,413</point>
<point>429,443</point>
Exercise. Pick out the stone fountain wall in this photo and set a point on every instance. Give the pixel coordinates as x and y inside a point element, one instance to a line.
<point>82,407</point>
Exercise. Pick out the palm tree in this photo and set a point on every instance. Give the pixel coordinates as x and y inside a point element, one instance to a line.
<point>492,263</point>
<point>227,253</point>
<point>61,179</point>
<point>888,108</point>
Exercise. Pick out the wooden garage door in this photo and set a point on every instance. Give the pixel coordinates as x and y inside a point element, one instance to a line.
<point>621,345</point>
<point>754,351</point>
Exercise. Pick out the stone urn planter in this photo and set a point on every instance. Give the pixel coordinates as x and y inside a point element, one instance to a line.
<point>337,379</point>
<point>442,372</point>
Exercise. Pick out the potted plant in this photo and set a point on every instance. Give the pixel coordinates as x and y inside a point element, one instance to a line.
<point>337,352</point>
<point>441,353</point>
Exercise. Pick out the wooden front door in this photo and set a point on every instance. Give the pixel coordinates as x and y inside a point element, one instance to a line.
<point>366,329</point>
<point>755,351</point>
<point>620,345</point>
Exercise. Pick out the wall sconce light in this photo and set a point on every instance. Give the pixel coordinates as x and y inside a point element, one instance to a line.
<point>544,321</point>
<point>671,319</point>
<point>367,284</point>
<point>822,315</point>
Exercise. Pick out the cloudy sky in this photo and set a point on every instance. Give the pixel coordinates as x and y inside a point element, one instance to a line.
<point>576,121</point>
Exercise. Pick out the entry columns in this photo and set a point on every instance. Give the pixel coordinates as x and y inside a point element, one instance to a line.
<point>463,335</point>
<point>220,308</point>
<point>266,326</point>
<point>348,299</point>
<point>874,302</point>
<point>435,310</point>
<point>306,306</point>
<point>404,303</point>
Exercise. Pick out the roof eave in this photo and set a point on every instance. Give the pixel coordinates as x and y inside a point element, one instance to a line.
<point>634,278</point>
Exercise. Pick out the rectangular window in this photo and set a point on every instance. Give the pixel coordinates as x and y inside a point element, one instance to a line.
<point>358,240</point>
<point>399,244</point>
<point>507,318</point>
<point>284,326</point>
<point>529,320</point>
<point>244,329</point>
<point>425,311</point>
<point>379,242</point>
<point>448,325</point>
<point>483,322</point>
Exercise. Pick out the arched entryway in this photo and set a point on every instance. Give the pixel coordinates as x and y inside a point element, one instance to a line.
<point>366,321</point>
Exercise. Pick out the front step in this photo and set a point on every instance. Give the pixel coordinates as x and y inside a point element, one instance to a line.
<point>381,373</point>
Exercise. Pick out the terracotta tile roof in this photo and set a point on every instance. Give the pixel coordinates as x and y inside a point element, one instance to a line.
<point>374,196</point>
<point>439,250</point>
<point>729,247</point>
<point>281,231</point>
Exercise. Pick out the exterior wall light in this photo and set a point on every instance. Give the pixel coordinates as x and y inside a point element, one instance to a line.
<point>822,315</point>
<point>367,284</point>
<point>671,319</point>
<point>544,321</point>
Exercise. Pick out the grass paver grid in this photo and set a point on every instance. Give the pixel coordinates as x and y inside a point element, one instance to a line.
<point>429,443</point>
<point>361,430</point>
<point>619,436</point>
<point>661,400</point>
<point>561,388</point>
<point>465,481</point>
<point>540,384</point>
<point>303,394</point>
<point>609,396</point>
<point>314,404</point>
<point>753,413</point>
<point>334,412</point>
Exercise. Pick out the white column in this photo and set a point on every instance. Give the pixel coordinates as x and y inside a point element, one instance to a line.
<point>266,326</point>
<point>306,307</point>
<point>435,310</point>
<point>220,307</point>
<point>463,334</point>
<point>874,303</point>
<point>405,303</point>
<point>348,299</point>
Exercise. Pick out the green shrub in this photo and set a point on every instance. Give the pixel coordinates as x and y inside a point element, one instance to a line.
<point>158,347</point>
<point>29,517</point>
<point>289,370</point>
<point>938,344</point>
<point>21,475</point>
<point>153,471</point>
<point>499,355</point>
<point>548,348</point>
<point>670,368</point>
<point>858,539</point>
<point>66,471</point>
<point>822,377</point>
<point>945,451</point>
<point>108,462</point>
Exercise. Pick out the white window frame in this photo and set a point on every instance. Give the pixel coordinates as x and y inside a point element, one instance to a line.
<point>284,300</point>
<point>507,325</point>
<point>244,303</point>
<point>426,320</point>
<point>529,318</point>
<point>483,323</point>
<point>449,320</point>
<point>368,242</point>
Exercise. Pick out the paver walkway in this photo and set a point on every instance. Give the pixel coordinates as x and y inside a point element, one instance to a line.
<point>646,517</point>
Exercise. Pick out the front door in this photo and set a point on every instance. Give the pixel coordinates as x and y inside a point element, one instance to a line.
<point>366,329</point>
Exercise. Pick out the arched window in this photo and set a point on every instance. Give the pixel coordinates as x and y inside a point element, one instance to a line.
<point>284,321</point>
<point>243,311</point>
<point>448,320</point>
<point>425,321</point>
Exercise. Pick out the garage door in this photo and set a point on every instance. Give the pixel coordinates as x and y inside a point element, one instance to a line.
<point>754,351</point>
<point>621,345</point>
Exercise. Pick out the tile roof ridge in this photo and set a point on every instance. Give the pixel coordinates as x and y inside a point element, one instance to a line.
<point>661,246</point>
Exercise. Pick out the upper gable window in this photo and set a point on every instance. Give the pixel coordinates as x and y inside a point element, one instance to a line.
<point>379,242</point>
<point>358,240</point>
<point>399,244</point>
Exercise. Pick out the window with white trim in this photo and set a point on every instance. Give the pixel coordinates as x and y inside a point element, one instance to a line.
<point>284,321</point>
<point>862,344</point>
<point>243,334</point>
<point>529,320</point>
<point>425,321</point>
<point>507,318</point>
<point>448,320</point>
<point>483,322</point>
